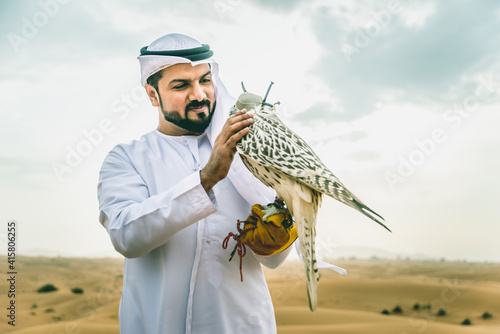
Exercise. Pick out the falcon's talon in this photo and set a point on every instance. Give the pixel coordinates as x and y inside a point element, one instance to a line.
<point>271,210</point>
<point>275,208</point>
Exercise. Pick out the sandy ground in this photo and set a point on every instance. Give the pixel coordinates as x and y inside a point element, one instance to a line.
<point>353,303</point>
<point>346,304</point>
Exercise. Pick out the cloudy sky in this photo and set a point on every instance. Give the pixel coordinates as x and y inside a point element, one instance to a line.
<point>399,98</point>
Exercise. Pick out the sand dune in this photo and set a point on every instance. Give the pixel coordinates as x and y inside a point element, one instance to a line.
<point>353,303</point>
<point>300,320</point>
<point>346,304</point>
<point>61,311</point>
<point>71,327</point>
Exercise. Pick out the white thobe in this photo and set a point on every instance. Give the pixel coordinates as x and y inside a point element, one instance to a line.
<point>177,277</point>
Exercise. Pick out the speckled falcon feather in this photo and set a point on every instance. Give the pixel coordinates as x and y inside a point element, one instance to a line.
<point>282,160</point>
<point>271,144</point>
<point>303,202</point>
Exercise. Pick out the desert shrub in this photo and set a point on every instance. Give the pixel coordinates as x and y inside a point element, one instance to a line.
<point>441,312</point>
<point>427,306</point>
<point>487,315</point>
<point>397,309</point>
<point>385,311</point>
<point>416,306</point>
<point>34,306</point>
<point>466,322</point>
<point>77,290</point>
<point>50,310</point>
<point>46,288</point>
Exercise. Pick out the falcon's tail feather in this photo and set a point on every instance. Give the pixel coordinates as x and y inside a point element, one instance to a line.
<point>312,276</point>
<point>308,252</point>
<point>305,214</point>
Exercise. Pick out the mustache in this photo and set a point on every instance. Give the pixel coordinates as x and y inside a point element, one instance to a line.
<point>198,104</point>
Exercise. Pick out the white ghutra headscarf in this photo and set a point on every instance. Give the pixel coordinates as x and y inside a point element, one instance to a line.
<point>174,49</point>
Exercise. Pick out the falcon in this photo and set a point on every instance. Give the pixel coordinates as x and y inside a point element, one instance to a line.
<point>282,160</point>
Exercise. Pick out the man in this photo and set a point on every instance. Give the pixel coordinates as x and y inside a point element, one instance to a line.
<point>169,199</point>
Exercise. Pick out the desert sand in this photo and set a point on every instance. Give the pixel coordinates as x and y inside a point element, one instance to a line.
<point>346,304</point>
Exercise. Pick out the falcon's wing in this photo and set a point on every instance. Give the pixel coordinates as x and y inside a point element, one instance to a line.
<point>272,144</point>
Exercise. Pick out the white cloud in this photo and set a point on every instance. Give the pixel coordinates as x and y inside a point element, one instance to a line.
<point>419,65</point>
<point>416,13</point>
<point>359,117</point>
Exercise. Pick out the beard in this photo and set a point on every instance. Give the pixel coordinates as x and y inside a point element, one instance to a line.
<point>198,125</point>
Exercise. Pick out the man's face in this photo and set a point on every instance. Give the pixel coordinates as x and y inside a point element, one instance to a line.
<point>187,96</point>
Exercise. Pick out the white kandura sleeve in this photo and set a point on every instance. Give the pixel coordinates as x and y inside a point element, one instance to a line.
<point>275,260</point>
<point>137,222</point>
